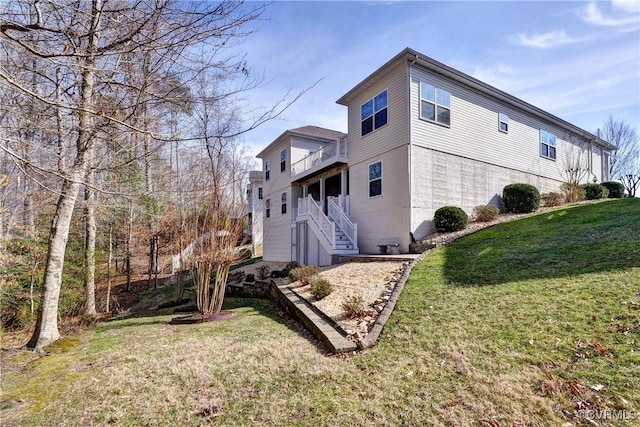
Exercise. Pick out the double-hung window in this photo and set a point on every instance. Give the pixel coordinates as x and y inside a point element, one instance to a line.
<point>375,179</point>
<point>435,104</point>
<point>267,170</point>
<point>283,206</point>
<point>267,205</point>
<point>259,193</point>
<point>547,144</point>
<point>503,122</point>
<point>283,160</point>
<point>373,113</point>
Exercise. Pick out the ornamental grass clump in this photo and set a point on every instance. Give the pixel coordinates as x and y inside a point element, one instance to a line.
<point>305,274</point>
<point>485,213</point>
<point>552,199</point>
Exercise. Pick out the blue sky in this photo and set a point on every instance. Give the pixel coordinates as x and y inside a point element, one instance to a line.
<point>577,60</point>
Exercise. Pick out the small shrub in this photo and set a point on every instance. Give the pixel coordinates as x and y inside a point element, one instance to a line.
<point>236,276</point>
<point>263,272</point>
<point>320,288</point>
<point>616,189</point>
<point>552,199</point>
<point>275,274</point>
<point>520,198</point>
<point>250,278</point>
<point>573,193</point>
<point>450,218</point>
<point>595,191</point>
<point>485,213</point>
<point>354,306</point>
<point>305,274</point>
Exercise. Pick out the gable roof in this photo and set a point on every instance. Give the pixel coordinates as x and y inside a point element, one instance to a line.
<point>314,132</point>
<point>410,56</point>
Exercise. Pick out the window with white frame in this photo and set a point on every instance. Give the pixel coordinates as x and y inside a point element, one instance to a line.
<point>503,122</point>
<point>547,144</point>
<point>435,104</point>
<point>267,170</point>
<point>373,113</point>
<point>267,205</point>
<point>283,206</point>
<point>283,160</point>
<point>259,193</point>
<point>375,179</point>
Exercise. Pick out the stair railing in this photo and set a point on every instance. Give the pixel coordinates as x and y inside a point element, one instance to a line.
<point>337,214</point>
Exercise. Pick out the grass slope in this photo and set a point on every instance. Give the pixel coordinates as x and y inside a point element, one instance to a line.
<point>526,323</point>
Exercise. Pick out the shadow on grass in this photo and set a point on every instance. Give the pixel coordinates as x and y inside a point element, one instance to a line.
<point>565,242</point>
<point>248,307</point>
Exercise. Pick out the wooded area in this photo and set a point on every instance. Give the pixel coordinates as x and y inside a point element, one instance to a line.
<point>120,132</point>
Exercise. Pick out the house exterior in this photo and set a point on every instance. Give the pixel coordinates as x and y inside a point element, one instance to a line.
<point>421,135</point>
<point>255,202</point>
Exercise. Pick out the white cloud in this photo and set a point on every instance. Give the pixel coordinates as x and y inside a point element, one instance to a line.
<point>627,5</point>
<point>592,14</point>
<point>546,40</point>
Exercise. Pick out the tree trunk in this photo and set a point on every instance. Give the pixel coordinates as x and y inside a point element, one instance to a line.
<point>46,330</point>
<point>109,260</point>
<point>90,249</point>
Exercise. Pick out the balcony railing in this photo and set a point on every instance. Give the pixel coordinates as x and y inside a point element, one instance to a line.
<point>333,153</point>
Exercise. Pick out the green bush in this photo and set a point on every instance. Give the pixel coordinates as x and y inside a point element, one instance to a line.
<point>320,288</point>
<point>305,274</point>
<point>485,213</point>
<point>450,218</point>
<point>520,198</point>
<point>353,306</point>
<point>552,199</point>
<point>250,278</point>
<point>595,191</point>
<point>616,189</point>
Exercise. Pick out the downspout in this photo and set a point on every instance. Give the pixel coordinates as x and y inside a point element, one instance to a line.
<point>410,149</point>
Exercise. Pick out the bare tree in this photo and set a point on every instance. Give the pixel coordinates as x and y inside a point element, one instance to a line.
<point>575,168</point>
<point>624,163</point>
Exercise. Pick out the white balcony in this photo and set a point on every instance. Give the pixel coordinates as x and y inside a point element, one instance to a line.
<point>329,155</point>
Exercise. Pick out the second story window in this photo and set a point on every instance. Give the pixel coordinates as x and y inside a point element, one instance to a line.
<point>283,207</point>
<point>267,170</point>
<point>373,113</point>
<point>435,104</point>
<point>547,144</point>
<point>267,206</point>
<point>283,160</point>
<point>259,193</point>
<point>503,120</point>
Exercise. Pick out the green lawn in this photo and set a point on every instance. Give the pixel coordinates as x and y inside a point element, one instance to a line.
<point>525,323</point>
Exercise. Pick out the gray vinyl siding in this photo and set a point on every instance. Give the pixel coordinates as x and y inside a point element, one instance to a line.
<point>382,219</point>
<point>474,131</point>
<point>390,136</point>
<point>277,228</point>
